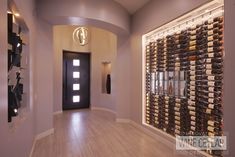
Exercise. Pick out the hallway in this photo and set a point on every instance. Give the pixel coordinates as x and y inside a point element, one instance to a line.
<point>86,133</point>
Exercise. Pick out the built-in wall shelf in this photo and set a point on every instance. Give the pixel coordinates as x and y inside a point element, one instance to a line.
<point>18,64</point>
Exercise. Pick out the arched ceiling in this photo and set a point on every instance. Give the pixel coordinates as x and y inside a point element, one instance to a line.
<point>104,14</point>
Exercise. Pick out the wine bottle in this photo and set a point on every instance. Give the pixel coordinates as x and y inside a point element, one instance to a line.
<point>214,71</point>
<point>192,78</point>
<point>177,114</point>
<point>192,113</point>
<point>192,83</point>
<point>191,103</point>
<point>177,122</point>
<point>210,38</point>
<point>214,129</point>
<point>192,108</point>
<point>210,26</point>
<point>218,19</point>
<point>215,37</point>
<point>177,118</point>
<point>218,25</point>
<point>215,31</point>
<point>193,118</point>
<point>193,128</point>
<point>215,43</point>
<point>193,123</point>
<point>192,67</point>
<point>192,42</point>
<point>215,123</point>
<point>192,48</point>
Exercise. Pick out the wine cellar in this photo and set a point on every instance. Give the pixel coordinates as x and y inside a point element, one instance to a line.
<point>184,76</point>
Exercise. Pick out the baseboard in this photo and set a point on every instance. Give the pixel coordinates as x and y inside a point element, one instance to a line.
<point>120,120</point>
<point>32,149</point>
<point>40,136</point>
<point>157,134</point>
<point>103,109</point>
<point>44,134</point>
<point>162,136</point>
<point>57,112</point>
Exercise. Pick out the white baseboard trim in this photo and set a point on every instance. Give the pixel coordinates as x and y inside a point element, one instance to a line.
<point>121,120</point>
<point>32,149</point>
<point>103,109</point>
<point>44,134</point>
<point>157,134</point>
<point>40,136</point>
<point>57,112</point>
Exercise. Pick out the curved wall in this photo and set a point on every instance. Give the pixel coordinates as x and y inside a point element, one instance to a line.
<point>105,14</point>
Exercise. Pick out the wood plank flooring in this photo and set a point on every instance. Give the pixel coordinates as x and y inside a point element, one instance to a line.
<point>85,133</point>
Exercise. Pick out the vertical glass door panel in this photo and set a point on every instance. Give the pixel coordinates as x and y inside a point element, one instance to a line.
<point>161,83</point>
<point>156,83</point>
<point>171,83</point>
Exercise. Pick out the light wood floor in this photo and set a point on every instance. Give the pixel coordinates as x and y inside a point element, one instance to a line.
<point>85,133</point>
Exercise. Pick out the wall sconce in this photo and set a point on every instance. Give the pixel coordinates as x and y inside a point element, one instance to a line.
<point>81,36</point>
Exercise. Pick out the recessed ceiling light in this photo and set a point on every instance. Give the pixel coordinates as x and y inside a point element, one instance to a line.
<point>17,14</point>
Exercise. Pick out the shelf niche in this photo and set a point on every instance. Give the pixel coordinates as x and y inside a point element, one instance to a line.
<point>106,78</point>
<point>18,64</point>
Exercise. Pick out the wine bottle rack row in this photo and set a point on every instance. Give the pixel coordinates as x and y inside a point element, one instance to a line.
<point>196,52</point>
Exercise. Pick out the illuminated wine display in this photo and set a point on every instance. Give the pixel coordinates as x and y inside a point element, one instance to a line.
<point>184,78</point>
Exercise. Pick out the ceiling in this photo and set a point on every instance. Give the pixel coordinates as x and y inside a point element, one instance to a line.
<point>132,5</point>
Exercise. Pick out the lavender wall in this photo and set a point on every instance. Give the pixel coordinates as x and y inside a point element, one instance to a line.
<point>41,51</point>
<point>104,50</point>
<point>229,87</point>
<point>123,78</point>
<point>44,77</point>
<point>17,138</point>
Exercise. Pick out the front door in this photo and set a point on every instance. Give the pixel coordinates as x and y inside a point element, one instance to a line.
<point>76,80</point>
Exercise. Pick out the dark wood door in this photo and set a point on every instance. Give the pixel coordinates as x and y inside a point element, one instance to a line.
<point>76,80</point>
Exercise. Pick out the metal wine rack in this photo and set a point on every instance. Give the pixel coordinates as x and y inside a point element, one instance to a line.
<point>184,81</point>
